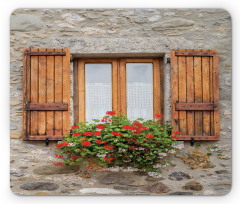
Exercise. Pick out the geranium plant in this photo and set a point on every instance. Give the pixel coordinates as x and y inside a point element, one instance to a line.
<point>117,141</point>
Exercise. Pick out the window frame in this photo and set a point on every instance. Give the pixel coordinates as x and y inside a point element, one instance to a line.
<point>119,86</point>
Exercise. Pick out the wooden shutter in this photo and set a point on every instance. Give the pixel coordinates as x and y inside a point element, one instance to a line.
<point>195,94</point>
<point>46,94</point>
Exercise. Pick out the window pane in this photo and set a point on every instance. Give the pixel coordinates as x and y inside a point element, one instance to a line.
<point>139,91</point>
<point>98,89</point>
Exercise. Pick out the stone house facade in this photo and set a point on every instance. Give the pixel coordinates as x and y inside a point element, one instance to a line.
<point>119,33</point>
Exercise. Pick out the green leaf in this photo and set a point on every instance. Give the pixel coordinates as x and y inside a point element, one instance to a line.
<point>96,120</point>
<point>85,162</point>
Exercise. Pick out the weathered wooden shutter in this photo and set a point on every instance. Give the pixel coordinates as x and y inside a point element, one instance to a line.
<point>46,94</point>
<point>195,94</point>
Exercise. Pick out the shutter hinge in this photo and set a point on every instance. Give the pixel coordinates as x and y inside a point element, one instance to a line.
<point>192,141</point>
<point>27,108</point>
<point>71,59</point>
<point>168,60</point>
<point>47,141</point>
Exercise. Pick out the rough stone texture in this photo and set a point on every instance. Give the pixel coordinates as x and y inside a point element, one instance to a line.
<point>40,186</point>
<point>16,173</point>
<point>196,160</point>
<point>179,176</point>
<point>122,33</point>
<point>223,171</point>
<point>157,188</point>
<point>51,169</point>
<point>25,22</point>
<point>193,185</point>
<point>114,178</point>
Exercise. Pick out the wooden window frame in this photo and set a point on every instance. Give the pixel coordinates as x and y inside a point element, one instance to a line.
<point>119,86</point>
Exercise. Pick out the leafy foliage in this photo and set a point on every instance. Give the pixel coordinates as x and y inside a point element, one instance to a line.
<point>117,141</point>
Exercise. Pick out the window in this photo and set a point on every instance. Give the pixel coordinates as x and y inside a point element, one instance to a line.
<point>98,90</point>
<point>139,90</point>
<point>134,86</point>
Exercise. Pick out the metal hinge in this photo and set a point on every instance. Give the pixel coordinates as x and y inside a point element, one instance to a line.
<point>192,141</point>
<point>168,60</point>
<point>27,108</point>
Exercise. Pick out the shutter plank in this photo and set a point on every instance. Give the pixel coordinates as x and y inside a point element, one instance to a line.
<point>42,92</point>
<point>182,93</point>
<point>75,92</point>
<point>216,95</point>
<point>156,88</point>
<point>26,92</point>
<point>198,93</point>
<point>50,93</point>
<point>34,92</point>
<point>211,94</point>
<point>190,95</point>
<point>174,90</point>
<point>206,94</point>
<point>58,92</point>
<point>66,91</point>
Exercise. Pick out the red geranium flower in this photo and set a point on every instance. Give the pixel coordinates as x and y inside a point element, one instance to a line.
<point>105,120</point>
<point>107,147</point>
<point>176,133</point>
<point>99,126</point>
<point>174,137</point>
<point>63,144</point>
<point>108,159</point>
<point>116,133</point>
<point>111,112</point>
<point>97,132</point>
<point>137,124</point>
<point>59,156</point>
<point>158,115</point>
<point>77,134</point>
<point>88,133</point>
<point>143,128</point>
<point>86,143</point>
<point>137,132</point>
<point>60,163</point>
<point>99,142</point>
<point>75,126</point>
<point>126,126</point>
<point>150,136</point>
<point>73,157</point>
<point>132,128</point>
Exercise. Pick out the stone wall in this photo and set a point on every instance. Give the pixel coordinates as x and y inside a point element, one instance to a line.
<point>121,32</point>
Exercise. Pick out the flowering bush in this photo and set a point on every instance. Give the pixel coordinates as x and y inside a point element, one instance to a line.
<point>117,141</point>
